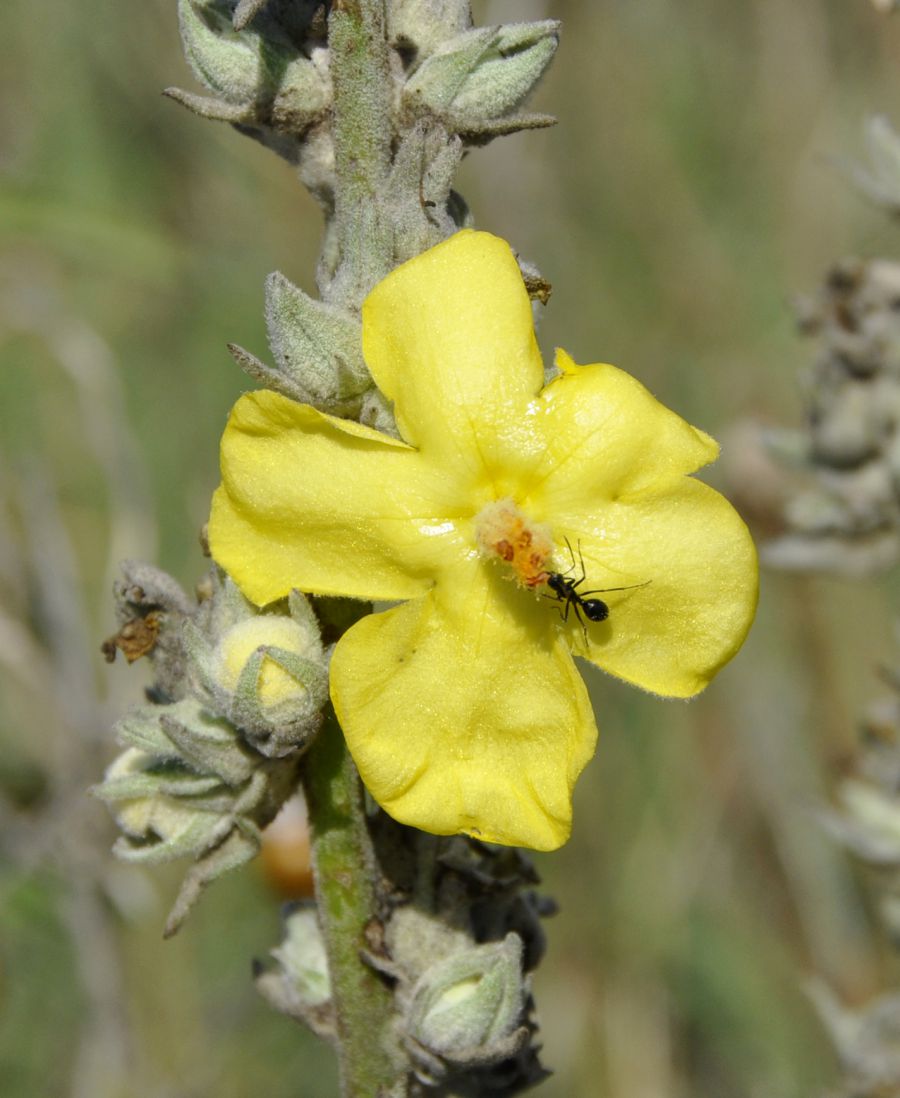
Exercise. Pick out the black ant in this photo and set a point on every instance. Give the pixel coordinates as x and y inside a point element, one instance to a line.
<point>566,591</point>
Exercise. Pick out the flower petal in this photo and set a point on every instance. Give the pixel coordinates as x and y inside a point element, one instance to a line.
<point>327,506</point>
<point>465,713</point>
<point>604,434</point>
<point>449,337</point>
<point>696,563</point>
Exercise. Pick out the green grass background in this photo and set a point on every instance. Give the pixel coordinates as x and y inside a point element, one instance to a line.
<point>683,199</point>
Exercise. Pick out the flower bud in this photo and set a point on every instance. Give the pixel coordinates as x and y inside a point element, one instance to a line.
<point>508,72</point>
<point>880,181</point>
<point>316,346</point>
<point>300,985</point>
<point>466,1008</point>
<point>251,66</point>
<point>441,77</point>
<point>301,957</point>
<point>304,93</point>
<point>484,73</point>
<point>425,24</point>
<point>225,61</point>
<point>275,686</point>
<point>169,805</point>
<point>265,672</point>
<point>147,799</point>
<point>872,822</point>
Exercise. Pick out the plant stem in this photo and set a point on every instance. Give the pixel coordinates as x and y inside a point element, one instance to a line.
<point>360,71</point>
<point>344,863</point>
<point>344,867</point>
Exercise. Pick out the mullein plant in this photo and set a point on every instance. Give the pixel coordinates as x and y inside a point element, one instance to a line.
<point>847,518</point>
<point>846,521</point>
<point>409,446</point>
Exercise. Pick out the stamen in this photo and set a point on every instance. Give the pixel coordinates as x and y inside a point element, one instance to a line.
<point>504,531</point>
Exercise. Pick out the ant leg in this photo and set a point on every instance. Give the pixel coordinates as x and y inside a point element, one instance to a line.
<point>580,621</point>
<point>603,590</point>
<point>571,567</point>
<point>583,576</point>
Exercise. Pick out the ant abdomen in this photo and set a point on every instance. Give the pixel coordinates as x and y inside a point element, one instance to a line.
<point>595,609</point>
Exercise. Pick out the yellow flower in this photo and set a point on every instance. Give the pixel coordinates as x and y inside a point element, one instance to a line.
<point>462,706</point>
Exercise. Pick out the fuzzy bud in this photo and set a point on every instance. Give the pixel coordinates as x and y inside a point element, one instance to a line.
<point>468,1008</point>
<point>880,180</point>
<point>251,66</point>
<point>868,823</point>
<point>300,985</point>
<point>169,805</point>
<point>424,24</point>
<point>301,957</point>
<point>151,801</point>
<point>260,638</point>
<point>237,66</point>
<point>304,93</point>
<point>483,74</point>
<point>317,348</point>
<point>263,672</point>
<point>187,733</point>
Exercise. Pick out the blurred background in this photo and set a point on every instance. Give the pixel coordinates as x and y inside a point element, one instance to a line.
<point>685,196</point>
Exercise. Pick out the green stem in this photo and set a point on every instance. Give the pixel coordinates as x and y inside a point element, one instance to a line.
<point>345,873</point>
<point>371,1065</point>
<point>363,90</point>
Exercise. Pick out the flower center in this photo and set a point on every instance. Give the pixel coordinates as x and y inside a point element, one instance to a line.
<point>503,530</point>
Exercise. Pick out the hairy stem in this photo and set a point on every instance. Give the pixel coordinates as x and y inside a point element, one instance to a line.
<point>344,863</point>
<point>363,90</point>
<point>345,870</point>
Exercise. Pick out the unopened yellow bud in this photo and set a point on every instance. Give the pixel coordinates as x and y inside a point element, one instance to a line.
<point>275,685</point>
